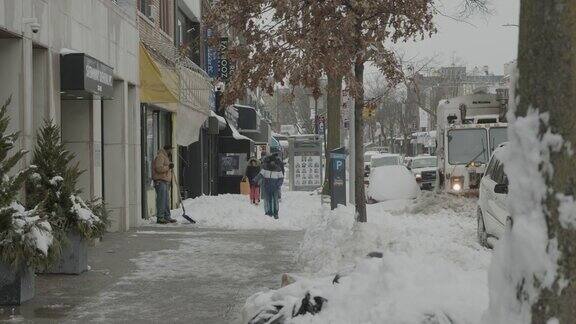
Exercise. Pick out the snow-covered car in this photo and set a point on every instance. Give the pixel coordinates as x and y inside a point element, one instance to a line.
<point>424,168</point>
<point>391,182</point>
<point>379,160</point>
<point>493,213</point>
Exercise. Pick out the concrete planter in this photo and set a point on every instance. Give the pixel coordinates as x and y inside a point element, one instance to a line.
<point>16,285</point>
<point>74,256</point>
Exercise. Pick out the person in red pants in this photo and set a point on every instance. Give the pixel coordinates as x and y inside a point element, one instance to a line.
<point>252,170</point>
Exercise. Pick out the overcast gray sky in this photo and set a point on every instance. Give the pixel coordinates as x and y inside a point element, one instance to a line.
<point>485,42</point>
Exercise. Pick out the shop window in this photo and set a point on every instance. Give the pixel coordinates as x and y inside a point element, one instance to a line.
<point>151,143</point>
<point>158,134</point>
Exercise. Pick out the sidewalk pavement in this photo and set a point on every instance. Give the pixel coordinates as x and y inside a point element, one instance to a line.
<point>164,274</point>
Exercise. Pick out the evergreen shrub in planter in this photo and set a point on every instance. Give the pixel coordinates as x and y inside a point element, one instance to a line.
<point>53,187</point>
<point>26,238</point>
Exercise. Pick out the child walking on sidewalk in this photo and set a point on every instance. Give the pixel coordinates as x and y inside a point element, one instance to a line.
<point>252,170</point>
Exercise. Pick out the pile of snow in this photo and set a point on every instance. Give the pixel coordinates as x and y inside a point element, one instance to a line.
<point>392,182</point>
<point>432,269</point>
<point>297,211</point>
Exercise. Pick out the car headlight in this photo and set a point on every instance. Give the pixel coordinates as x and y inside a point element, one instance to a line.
<point>457,183</point>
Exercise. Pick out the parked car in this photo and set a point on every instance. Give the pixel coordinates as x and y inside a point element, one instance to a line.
<point>493,213</point>
<point>424,168</point>
<point>367,160</point>
<point>390,179</point>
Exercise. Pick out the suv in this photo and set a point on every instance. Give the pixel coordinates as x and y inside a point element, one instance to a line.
<point>493,213</point>
<point>424,168</point>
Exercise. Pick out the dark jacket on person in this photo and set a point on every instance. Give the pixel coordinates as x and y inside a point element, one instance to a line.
<point>272,173</point>
<point>251,173</point>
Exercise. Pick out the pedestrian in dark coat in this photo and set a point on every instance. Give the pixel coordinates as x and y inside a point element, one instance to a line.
<point>272,177</point>
<point>252,170</point>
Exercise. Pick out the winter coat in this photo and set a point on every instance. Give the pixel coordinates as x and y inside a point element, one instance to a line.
<point>272,175</point>
<point>251,173</point>
<point>161,167</point>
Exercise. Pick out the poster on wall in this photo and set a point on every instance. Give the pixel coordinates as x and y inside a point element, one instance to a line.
<point>229,163</point>
<point>307,169</point>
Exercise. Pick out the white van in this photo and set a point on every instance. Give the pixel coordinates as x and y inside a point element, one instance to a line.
<point>493,213</point>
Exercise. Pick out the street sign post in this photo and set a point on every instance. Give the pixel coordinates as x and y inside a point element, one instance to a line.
<point>337,178</point>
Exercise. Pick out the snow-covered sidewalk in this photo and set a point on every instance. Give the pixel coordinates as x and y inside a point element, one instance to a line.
<point>297,211</point>
<point>432,269</point>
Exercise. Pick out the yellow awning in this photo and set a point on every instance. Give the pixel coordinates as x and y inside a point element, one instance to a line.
<point>158,82</point>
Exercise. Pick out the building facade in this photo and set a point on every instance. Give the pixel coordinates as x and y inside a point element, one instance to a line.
<point>175,95</point>
<point>76,62</point>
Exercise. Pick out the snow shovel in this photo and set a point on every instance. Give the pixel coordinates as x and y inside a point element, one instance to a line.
<point>188,218</point>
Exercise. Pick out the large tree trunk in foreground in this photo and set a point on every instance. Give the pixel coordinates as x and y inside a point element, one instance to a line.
<point>360,196</point>
<point>334,104</point>
<point>547,69</point>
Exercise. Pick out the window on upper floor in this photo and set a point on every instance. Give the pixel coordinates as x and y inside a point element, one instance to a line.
<point>165,16</point>
<point>144,7</point>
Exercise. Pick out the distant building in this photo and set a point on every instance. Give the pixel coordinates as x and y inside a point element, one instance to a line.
<point>453,81</point>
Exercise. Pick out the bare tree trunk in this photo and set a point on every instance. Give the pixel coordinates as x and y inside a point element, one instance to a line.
<point>547,66</point>
<point>334,104</point>
<point>359,143</point>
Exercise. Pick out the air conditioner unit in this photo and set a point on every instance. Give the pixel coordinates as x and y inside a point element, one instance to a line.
<point>153,12</point>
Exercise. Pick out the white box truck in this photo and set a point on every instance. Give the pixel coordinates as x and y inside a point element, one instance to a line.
<point>469,128</point>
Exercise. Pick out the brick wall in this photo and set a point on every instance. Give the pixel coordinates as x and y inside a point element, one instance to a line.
<point>152,35</point>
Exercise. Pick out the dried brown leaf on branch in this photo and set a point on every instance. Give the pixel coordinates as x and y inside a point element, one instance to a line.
<point>297,41</point>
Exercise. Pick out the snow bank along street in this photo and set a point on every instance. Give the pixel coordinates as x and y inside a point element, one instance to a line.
<point>432,269</point>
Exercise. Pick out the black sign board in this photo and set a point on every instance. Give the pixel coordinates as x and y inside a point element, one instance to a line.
<point>83,77</point>
<point>337,177</point>
<point>225,66</point>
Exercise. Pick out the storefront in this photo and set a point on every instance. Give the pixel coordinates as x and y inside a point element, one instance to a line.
<point>199,167</point>
<point>98,110</point>
<point>234,151</point>
<point>175,107</point>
